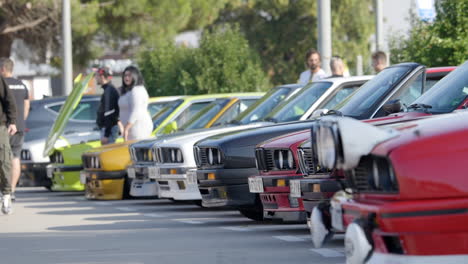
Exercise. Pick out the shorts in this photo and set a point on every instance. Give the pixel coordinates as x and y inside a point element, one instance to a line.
<point>16,144</point>
<point>5,161</point>
<point>113,135</point>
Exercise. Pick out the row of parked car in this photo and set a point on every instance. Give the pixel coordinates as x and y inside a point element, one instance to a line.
<point>299,154</point>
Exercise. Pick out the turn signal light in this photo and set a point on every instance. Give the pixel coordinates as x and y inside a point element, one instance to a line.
<point>281,183</point>
<point>173,171</point>
<point>211,176</point>
<point>316,188</point>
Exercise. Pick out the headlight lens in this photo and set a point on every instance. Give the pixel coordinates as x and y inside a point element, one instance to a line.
<point>179,155</point>
<point>210,156</point>
<point>284,159</point>
<point>328,142</point>
<point>290,159</point>
<point>213,156</point>
<point>374,174</point>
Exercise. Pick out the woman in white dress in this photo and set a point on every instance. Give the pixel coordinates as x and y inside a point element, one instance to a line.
<point>133,104</point>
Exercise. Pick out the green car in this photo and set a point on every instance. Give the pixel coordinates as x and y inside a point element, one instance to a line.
<point>66,162</point>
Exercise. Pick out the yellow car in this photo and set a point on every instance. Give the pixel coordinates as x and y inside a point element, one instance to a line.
<point>105,175</point>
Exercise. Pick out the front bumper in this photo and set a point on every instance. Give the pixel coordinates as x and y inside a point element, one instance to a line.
<point>65,178</point>
<point>179,184</point>
<point>228,188</point>
<point>34,174</point>
<point>380,258</point>
<point>104,185</point>
<point>395,226</point>
<point>311,196</point>
<point>142,185</point>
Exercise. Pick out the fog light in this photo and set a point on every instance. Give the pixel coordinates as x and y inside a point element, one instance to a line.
<point>173,171</point>
<point>211,176</point>
<point>316,187</point>
<point>281,183</point>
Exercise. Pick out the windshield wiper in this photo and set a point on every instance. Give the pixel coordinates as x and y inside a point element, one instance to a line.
<point>420,106</point>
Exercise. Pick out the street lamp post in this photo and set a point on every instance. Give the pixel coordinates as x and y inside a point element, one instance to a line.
<point>67,69</point>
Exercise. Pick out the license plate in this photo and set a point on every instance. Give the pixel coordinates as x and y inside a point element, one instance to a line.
<point>83,177</point>
<point>295,187</point>
<point>255,185</point>
<point>50,172</point>
<point>131,173</point>
<point>192,177</point>
<point>153,172</point>
<point>337,215</point>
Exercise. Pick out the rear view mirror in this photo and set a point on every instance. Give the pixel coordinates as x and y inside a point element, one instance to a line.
<point>392,106</point>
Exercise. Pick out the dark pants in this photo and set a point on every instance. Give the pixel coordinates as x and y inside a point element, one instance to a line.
<point>5,161</point>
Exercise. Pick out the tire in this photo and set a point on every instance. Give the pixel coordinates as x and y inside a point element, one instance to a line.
<point>255,212</point>
<point>126,189</point>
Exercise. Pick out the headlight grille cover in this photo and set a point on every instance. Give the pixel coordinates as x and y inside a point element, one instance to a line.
<point>91,162</point>
<point>171,155</point>
<point>208,157</point>
<point>374,174</point>
<point>56,157</point>
<point>275,159</point>
<point>25,154</point>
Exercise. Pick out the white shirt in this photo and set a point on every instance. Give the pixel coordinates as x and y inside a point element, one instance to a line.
<point>133,107</point>
<point>306,77</point>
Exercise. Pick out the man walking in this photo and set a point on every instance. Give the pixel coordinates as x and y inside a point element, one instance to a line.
<point>7,128</point>
<point>314,72</point>
<point>108,112</point>
<point>21,97</point>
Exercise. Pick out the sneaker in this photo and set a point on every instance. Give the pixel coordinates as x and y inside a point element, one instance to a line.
<point>6,204</point>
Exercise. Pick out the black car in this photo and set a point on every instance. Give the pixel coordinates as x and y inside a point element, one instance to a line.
<point>224,162</point>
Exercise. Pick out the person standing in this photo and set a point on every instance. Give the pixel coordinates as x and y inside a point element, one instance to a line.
<point>336,66</point>
<point>314,72</point>
<point>379,61</point>
<point>7,128</point>
<point>21,97</point>
<point>108,112</point>
<point>133,104</point>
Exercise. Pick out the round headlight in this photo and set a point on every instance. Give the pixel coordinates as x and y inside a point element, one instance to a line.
<point>219,157</point>
<point>153,153</point>
<point>280,159</point>
<point>210,156</point>
<point>391,174</point>
<point>375,174</point>
<point>290,160</point>
<point>326,147</point>
<point>179,155</point>
<point>92,162</point>
<point>173,155</point>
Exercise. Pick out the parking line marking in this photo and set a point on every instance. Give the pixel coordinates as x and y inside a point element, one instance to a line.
<point>153,215</point>
<point>289,238</point>
<point>327,253</point>
<point>235,228</point>
<point>193,222</point>
<point>103,203</point>
<point>126,209</point>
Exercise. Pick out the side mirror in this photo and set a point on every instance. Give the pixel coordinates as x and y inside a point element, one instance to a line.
<point>392,106</point>
<point>170,128</point>
<point>319,112</point>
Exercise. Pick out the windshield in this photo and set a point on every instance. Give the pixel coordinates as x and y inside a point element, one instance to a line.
<point>165,112</point>
<point>155,107</point>
<point>296,106</point>
<point>206,114</point>
<point>264,106</point>
<point>370,93</point>
<point>447,94</point>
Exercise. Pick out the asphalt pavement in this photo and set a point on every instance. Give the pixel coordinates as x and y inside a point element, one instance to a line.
<point>57,227</point>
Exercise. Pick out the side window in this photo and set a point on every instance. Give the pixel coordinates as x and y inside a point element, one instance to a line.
<point>411,92</point>
<point>339,96</point>
<point>55,108</point>
<point>230,114</point>
<point>189,112</point>
<point>85,111</point>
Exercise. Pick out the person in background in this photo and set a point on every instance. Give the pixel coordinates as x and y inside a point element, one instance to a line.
<point>7,128</point>
<point>21,96</point>
<point>314,72</point>
<point>379,61</point>
<point>133,104</point>
<point>336,67</point>
<point>108,112</point>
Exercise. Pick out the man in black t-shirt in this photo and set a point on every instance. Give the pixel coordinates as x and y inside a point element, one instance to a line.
<point>21,95</point>
<point>108,112</point>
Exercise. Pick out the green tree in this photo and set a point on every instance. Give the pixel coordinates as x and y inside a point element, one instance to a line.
<point>223,63</point>
<point>283,30</point>
<point>439,43</point>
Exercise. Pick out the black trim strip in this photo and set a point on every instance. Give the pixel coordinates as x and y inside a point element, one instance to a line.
<point>425,213</point>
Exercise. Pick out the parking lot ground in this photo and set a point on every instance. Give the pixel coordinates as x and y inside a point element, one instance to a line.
<point>57,227</point>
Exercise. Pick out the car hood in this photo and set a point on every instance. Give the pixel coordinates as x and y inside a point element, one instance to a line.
<point>65,112</point>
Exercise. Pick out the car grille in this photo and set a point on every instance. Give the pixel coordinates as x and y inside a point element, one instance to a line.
<point>373,174</point>
<point>143,155</point>
<point>25,154</point>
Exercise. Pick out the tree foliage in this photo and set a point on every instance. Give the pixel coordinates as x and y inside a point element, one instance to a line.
<point>283,30</point>
<point>223,63</point>
<point>439,43</point>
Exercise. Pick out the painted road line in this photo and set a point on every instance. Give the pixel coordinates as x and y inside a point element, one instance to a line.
<point>103,203</point>
<point>236,228</point>
<point>126,209</point>
<point>327,252</point>
<point>193,222</point>
<point>153,215</point>
<point>290,238</point>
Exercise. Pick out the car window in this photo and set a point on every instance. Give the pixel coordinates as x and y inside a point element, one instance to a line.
<point>339,96</point>
<point>155,107</point>
<point>85,111</point>
<point>189,112</point>
<point>411,92</point>
<point>204,116</point>
<point>55,108</point>
<point>234,111</point>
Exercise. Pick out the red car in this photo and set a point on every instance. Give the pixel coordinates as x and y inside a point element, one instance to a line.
<point>409,189</point>
<point>273,181</point>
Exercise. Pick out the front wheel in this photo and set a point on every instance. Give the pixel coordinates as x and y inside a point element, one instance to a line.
<point>252,213</point>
